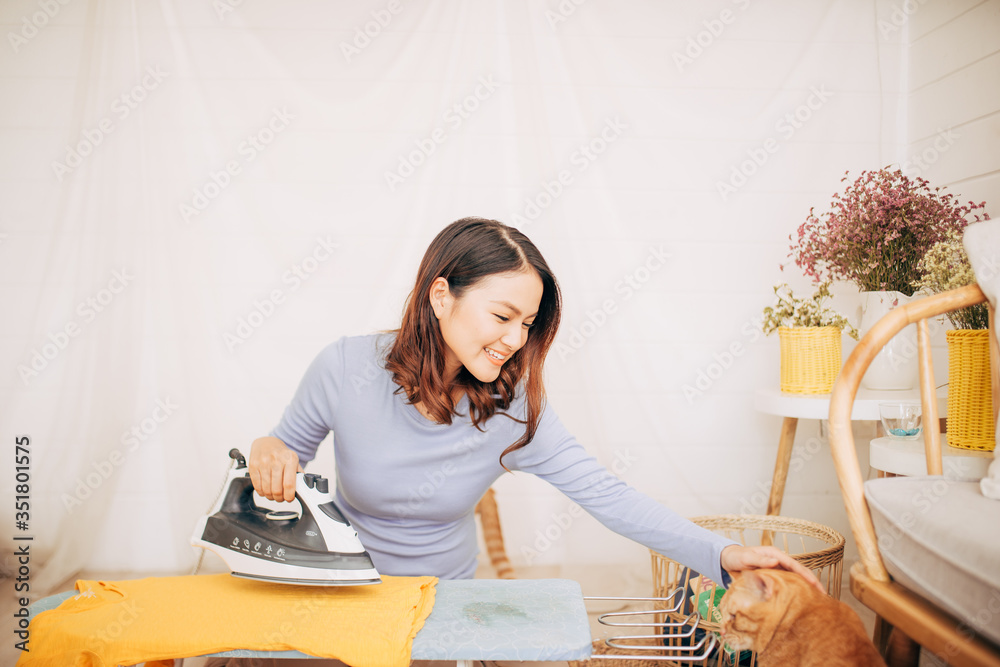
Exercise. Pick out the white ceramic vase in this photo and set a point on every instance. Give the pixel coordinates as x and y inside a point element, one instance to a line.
<point>895,366</point>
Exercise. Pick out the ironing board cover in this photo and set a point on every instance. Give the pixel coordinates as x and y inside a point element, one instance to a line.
<point>512,619</point>
<point>484,619</point>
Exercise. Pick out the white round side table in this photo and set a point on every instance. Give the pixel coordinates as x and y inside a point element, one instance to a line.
<point>891,456</point>
<point>817,406</point>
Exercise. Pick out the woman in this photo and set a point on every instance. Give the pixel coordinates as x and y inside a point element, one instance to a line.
<point>426,418</point>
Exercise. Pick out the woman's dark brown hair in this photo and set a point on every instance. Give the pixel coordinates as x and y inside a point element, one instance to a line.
<point>464,253</point>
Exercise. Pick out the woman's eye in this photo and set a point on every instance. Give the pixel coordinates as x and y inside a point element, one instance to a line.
<point>504,318</point>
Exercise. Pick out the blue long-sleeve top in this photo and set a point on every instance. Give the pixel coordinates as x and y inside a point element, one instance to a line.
<point>409,485</point>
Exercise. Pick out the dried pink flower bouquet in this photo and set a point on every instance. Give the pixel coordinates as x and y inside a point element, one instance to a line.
<point>878,230</point>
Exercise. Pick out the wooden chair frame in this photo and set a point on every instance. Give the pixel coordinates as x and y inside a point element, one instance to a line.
<point>489,518</point>
<point>912,618</point>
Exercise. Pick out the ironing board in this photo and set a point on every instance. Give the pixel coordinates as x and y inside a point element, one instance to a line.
<point>478,619</point>
<point>523,620</point>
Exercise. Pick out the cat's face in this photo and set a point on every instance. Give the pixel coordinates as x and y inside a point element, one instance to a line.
<point>783,618</point>
<point>750,609</point>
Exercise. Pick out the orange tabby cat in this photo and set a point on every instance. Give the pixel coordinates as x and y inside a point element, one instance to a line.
<point>788,623</point>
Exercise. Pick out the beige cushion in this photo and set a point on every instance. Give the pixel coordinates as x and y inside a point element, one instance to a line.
<point>941,539</point>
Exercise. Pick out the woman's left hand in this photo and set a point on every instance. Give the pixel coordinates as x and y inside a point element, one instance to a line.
<point>736,558</point>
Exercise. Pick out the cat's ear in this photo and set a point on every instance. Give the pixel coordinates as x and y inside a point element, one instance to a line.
<point>762,585</point>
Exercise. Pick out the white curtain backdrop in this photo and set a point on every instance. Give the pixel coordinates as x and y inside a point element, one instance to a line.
<point>198,196</point>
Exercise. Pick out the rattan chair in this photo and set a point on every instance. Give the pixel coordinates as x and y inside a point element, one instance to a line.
<point>906,620</point>
<point>489,520</point>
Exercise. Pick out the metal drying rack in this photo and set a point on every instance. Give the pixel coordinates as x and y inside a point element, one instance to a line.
<point>693,652</point>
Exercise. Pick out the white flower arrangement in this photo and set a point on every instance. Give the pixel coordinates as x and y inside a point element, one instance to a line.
<point>791,311</point>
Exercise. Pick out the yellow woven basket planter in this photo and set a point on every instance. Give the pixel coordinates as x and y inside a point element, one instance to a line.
<point>810,359</point>
<point>970,397</point>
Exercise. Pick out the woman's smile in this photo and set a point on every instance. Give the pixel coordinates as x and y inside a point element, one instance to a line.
<point>495,356</point>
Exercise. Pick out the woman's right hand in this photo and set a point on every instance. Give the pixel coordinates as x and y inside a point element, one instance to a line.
<point>272,469</point>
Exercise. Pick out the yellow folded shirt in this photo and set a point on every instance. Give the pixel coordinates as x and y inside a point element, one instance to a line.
<point>111,623</point>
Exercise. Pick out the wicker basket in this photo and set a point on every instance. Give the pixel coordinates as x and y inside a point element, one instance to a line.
<point>817,547</point>
<point>810,359</point>
<point>970,396</point>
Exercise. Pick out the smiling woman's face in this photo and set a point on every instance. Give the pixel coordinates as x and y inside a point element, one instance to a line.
<point>488,324</point>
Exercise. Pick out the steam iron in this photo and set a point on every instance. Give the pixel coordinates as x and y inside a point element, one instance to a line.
<point>318,548</point>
